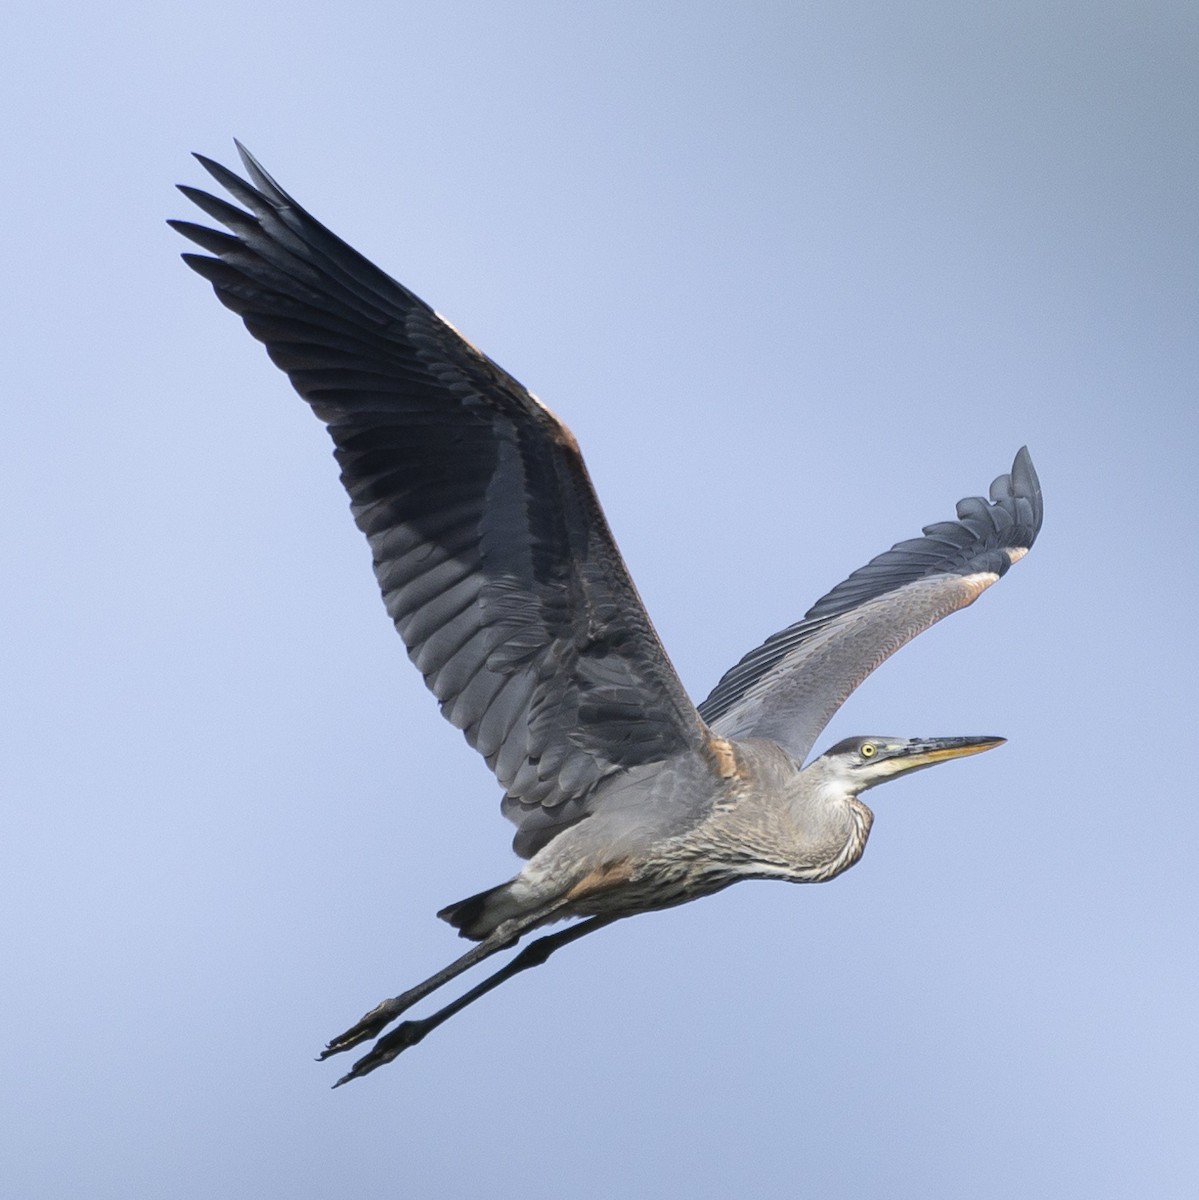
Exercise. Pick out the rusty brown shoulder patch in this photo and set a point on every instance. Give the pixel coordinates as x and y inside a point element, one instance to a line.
<point>602,879</point>
<point>721,755</point>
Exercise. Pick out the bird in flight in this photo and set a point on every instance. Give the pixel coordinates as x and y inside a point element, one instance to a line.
<point>501,575</point>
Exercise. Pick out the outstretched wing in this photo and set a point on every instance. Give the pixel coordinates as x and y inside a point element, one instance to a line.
<point>789,687</point>
<point>494,558</point>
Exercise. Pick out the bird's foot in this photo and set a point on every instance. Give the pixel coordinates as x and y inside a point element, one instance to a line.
<point>369,1026</point>
<point>386,1048</point>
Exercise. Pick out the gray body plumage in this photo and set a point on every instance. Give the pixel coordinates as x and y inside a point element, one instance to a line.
<point>499,572</point>
<point>683,829</point>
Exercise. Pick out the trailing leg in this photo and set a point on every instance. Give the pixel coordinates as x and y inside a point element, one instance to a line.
<point>386,1011</point>
<point>410,1032</point>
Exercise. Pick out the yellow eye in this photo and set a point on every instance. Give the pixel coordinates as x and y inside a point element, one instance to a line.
<point>867,750</point>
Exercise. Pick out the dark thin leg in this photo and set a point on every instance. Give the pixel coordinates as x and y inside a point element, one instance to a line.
<point>408,1033</point>
<point>386,1011</point>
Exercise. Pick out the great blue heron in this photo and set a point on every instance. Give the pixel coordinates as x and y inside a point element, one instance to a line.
<point>500,573</point>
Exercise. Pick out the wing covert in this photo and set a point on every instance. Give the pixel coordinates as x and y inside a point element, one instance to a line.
<point>790,686</point>
<point>494,558</point>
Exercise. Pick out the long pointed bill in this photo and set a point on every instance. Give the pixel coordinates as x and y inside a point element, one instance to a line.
<point>915,753</point>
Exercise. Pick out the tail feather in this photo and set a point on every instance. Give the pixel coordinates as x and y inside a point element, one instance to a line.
<point>477,915</point>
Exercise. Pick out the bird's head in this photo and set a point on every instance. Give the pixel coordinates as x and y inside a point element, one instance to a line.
<point>859,763</point>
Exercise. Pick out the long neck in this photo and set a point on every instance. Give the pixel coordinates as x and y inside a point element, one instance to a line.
<point>785,823</point>
<point>831,823</point>
<point>776,821</point>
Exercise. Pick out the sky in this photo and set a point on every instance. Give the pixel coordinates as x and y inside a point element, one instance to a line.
<point>798,276</point>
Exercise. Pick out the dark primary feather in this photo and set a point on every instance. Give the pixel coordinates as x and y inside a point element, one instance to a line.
<point>788,687</point>
<point>494,558</point>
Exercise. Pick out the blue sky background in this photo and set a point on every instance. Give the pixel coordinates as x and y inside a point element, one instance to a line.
<point>798,276</point>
